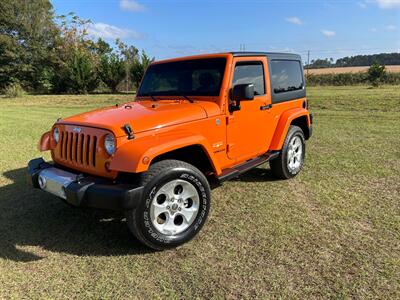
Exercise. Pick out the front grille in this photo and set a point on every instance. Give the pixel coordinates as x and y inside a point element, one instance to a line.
<point>78,148</point>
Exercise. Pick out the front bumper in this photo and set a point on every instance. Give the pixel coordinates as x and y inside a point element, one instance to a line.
<point>82,191</point>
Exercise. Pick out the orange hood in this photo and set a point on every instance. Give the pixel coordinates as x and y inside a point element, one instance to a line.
<point>143,115</point>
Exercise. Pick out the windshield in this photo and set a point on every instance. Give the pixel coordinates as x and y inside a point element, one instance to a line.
<point>198,77</point>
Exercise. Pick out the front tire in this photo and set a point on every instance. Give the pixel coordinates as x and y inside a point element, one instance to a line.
<point>174,206</point>
<point>291,159</point>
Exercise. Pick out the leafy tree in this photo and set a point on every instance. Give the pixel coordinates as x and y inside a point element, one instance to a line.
<point>27,36</point>
<point>41,54</point>
<point>130,54</point>
<point>76,69</point>
<point>321,63</point>
<point>112,69</point>
<point>138,68</point>
<point>82,72</point>
<point>376,73</point>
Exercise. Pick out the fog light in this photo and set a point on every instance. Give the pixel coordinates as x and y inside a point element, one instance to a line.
<point>42,182</point>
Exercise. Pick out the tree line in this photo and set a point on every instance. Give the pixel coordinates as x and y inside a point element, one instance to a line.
<point>44,53</point>
<point>356,61</point>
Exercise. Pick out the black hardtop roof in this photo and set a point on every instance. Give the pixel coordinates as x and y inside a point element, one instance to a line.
<point>272,55</point>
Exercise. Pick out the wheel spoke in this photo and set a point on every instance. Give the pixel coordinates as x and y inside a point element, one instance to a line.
<point>188,194</point>
<point>169,224</point>
<point>188,214</point>
<point>298,155</point>
<point>168,190</point>
<point>297,143</point>
<point>158,209</point>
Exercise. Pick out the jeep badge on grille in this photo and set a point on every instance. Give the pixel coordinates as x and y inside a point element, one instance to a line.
<point>77,129</point>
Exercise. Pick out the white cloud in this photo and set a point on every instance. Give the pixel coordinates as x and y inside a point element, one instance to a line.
<point>391,27</point>
<point>107,31</point>
<point>384,4</point>
<point>294,20</point>
<point>362,4</point>
<point>328,33</point>
<point>131,5</point>
<point>373,29</point>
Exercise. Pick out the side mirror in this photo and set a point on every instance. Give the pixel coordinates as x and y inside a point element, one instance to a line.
<point>241,92</point>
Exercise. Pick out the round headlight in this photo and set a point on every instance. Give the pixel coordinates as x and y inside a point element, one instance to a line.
<point>56,134</point>
<point>109,144</point>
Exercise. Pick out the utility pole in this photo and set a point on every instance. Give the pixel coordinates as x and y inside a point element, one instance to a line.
<point>308,61</point>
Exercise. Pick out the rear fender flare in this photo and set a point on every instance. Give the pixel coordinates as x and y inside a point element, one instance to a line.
<point>283,126</point>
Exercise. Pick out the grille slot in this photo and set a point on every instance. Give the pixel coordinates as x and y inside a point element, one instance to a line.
<point>78,148</point>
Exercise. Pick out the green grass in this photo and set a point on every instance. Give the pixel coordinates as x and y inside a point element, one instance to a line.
<point>332,232</point>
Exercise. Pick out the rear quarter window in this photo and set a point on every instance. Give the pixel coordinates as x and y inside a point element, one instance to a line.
<point>286,80</point>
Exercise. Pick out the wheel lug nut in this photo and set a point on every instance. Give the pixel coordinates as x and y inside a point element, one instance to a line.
<point>179,209</point>
<point>168,207</point>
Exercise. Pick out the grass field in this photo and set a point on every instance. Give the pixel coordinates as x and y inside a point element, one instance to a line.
<point>332,232</point>
<point>390,69</point>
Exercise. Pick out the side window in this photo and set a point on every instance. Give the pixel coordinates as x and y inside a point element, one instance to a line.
<point>286,76</point>
<point>250,72</point>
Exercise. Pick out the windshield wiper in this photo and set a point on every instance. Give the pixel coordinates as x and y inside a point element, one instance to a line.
<point>187,98</point>
<point>152,97</point>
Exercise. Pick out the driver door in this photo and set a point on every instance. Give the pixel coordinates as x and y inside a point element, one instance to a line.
<point>247,136</point>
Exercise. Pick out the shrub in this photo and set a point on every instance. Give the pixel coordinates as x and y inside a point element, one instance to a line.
<point>376,73</point>
<point>14,90</point>
<point>349,79</point>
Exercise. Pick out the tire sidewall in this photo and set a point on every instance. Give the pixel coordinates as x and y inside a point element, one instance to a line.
<point>295,132</point>
<point>142,213</point>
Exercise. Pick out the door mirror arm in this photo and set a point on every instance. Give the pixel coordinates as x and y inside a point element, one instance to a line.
<point>234,106</point>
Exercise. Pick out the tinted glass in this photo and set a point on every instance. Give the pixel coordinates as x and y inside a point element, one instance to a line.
<point>286,76</point>
<point>200,77</point>
<point>250,72</point>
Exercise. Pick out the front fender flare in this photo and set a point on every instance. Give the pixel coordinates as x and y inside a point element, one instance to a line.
<point>283,126</point>
<point>44,142</point>
<point>129,157</point>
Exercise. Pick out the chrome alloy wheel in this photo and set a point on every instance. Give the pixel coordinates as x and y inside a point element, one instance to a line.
<point>175,207</point>
<point>295,154</point>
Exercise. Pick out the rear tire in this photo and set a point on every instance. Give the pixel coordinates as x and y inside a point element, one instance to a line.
<point>174,205</point>
<point>291,159</point>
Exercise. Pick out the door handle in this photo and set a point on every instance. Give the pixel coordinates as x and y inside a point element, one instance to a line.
<point>265,107</point>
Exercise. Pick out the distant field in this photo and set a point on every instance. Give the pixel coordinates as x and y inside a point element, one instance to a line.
<point>391,69</point>
<point>330,233</point>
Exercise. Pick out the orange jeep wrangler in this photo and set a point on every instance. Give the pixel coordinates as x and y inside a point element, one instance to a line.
<point>195,122</point>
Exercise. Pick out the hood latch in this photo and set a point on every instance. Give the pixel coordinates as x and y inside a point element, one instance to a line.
<point>129,131</point>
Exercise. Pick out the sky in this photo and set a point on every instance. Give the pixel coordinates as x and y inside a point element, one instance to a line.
<point>173,28</point>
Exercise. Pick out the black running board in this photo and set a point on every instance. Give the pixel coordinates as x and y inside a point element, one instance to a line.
<point>234,172</point>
